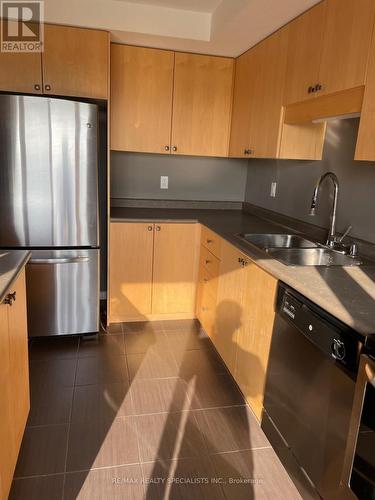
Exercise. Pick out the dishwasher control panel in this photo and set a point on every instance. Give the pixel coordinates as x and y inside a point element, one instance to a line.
<point>336,340</point>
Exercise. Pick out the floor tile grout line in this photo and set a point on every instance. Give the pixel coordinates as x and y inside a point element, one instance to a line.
<point>69,425</point>
<point>171,412</point>
<point>69,472</point>
<point>143,462</point>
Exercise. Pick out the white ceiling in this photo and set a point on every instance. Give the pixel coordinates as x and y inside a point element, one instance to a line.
<point>197,5</point>
<point>221,27</point>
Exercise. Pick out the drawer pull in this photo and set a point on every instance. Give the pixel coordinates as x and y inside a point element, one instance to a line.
<point>209,242</point>
<point>10,298</point>
<point>208,261</point>
<point>205,280</point>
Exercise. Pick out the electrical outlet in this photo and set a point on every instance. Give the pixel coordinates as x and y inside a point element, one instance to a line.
<point>273,189</point>
<point>163,182</point>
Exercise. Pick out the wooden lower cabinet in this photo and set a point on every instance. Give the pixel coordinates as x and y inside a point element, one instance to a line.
<point>175,271</point>
<point>254,338</point>
<point>153,271</point>
<point>19,357</point>
<point>236,309</point>
<point>14,380</point>
<point>229,309</point>
<point>130,271</point>
<point>7,448</point>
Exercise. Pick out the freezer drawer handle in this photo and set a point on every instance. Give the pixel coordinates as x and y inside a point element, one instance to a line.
<point>63,260</point>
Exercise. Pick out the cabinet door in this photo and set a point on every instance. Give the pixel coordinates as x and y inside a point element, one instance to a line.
<point>202,100</point>
<point>229,310</point>
<point>7,448</point>
<point>266,108</point>
<point>206,300</point>
<point>255,335</point>
<point>21,72</point>
<point>75,62</point>
<point>347,38</point>
<point>175,268</point>
<point>19,358</point>
<point>242,99</point>
<point>365,148</point>
<point>130,270</point>
<point>304,52</point>
<point>141,99</point>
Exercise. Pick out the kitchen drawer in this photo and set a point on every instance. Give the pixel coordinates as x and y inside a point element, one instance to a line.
<point>209,262</point>
<point>211,241</point>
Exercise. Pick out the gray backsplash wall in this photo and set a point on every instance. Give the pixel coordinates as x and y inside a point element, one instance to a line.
<point>296,181</point>
<point>137,176</point>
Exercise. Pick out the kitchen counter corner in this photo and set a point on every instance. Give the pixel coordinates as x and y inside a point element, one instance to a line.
<point>11,264</point>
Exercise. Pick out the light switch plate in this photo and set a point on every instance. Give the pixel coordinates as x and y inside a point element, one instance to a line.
<point>163,182</point>
<point>273,189</point>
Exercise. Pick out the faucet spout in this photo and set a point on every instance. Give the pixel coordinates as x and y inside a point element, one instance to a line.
<point>331,239</point>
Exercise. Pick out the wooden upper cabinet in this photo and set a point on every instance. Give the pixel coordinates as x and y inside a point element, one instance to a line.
<point>242,98</point>
<point>365,148</point>
<point>141,99</point>
<point>347,38</point>
<point>304,52</point>
<point>202,101</point>
<point>258,98</point>
<point>75,62</point>
<point>175,270</point>
<point>21,72</point>
<point>268,88</point>
<point>130,270</point>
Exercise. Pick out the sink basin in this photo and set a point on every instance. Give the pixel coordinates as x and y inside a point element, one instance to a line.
<point>313,257</point>
<point>265,241</point>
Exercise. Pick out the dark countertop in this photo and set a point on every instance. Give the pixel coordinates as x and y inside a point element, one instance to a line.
<point>348,293</point>
<point>11,264</point>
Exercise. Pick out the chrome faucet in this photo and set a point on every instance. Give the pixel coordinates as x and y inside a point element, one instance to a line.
<point>332,238</point>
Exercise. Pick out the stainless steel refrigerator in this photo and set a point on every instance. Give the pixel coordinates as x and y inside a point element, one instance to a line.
<point>49,204</point>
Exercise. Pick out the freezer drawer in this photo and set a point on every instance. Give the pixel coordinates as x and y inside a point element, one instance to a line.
<point>63,292</point>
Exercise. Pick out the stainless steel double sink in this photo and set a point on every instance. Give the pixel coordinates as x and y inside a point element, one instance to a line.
<point>295,250</point>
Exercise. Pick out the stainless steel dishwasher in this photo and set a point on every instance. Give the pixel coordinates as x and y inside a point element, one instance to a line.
<point>310,386</point>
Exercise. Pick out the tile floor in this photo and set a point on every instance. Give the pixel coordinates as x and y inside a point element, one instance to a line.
<point>147,411</point>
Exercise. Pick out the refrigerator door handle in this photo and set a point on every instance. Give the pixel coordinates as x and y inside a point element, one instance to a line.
<point>63,260</point>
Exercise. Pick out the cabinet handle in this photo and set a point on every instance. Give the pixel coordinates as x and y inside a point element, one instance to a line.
<point>47,87</point>
<point>158,228</point>
<point>37,86</point>
<point>240,260</point>
<point>318,87</point>
<point>174,148</point>
<point>167,148</point>
<point>205,280</point>
<point>209,242</point>
<point>248,151</point>
<point>208,261</point>
<point>310,90</point>
<point>149,228</point>
<point>10,298</point>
